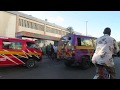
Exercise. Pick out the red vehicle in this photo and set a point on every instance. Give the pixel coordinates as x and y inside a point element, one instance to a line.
<point>14,51</point>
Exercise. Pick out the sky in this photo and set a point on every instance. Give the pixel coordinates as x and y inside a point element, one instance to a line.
<point>97,21</point>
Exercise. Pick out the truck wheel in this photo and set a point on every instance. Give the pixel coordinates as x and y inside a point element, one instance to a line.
<point>85,63</point>
<point>30,63</point>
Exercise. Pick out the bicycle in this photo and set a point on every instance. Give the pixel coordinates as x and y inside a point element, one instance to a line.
<point>105,74</point>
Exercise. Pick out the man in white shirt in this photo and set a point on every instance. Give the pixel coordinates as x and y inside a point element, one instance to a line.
<point>55,50</point>
<point>106,46</point>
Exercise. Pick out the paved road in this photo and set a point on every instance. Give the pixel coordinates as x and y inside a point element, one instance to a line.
<point>48,69</point>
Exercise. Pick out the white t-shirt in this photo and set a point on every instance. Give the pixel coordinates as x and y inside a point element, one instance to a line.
<point>55,49</point>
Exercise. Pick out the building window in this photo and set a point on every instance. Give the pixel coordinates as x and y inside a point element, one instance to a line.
<point>20,22</point>
<point>59,32</point>
<point>35,26</point>
<point>63,33</point>
<point>41,27</point>
<point>50,30</point>
<point>38,27</point>
<point>32,25</point>
<point>46,29</point>
<point>25,24</point>
<point>28,24</point>
<point>53,30</point>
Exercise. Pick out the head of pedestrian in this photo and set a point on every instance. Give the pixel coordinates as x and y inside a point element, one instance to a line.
<point>107,30</point>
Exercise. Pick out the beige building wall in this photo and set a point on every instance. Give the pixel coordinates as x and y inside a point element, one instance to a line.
<point>30,30</point>
<point>52,34</point>
<point>7,24</point>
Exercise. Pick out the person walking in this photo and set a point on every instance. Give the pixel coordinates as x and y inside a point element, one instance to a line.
<point>55,51</point>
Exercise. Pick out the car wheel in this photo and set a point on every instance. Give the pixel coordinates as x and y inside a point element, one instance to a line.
<point>30,63</point>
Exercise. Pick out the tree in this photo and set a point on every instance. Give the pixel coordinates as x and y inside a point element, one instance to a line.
<point>71,30</point>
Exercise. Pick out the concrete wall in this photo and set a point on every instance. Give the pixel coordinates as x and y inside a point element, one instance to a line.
<point>30,30</point>
<point>7,24</point>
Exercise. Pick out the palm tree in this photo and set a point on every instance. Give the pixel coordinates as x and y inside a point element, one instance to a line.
<point>71,30</point>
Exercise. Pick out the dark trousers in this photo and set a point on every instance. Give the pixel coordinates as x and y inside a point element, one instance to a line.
<point>55,55</point>
<point>100,69</point>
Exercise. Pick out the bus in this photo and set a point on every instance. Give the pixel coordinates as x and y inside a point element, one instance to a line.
<point>76,50</point>
<point>14,51</point>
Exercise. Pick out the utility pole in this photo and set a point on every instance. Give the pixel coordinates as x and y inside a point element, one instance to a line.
<point>86,27</point>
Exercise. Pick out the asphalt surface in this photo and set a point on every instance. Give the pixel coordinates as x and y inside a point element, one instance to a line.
<point>48,69</point>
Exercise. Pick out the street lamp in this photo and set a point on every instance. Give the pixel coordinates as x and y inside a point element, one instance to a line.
<point>86,27</point>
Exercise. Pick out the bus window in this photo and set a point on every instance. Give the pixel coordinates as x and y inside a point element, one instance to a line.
<point>12,45</point>
<point>94,42</point>
<point>86,42</point>
<point>69,41</point>
<point>78,41</point>
<point>64,40</point>
<point>69,38</point>
<point>32,45</point>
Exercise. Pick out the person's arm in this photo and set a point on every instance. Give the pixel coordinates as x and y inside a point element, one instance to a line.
<point>116,47</point>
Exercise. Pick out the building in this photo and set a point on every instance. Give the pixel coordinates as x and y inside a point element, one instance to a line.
<point>20,25</point>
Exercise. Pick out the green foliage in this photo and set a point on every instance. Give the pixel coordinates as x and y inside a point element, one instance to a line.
<point>70,29</point>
